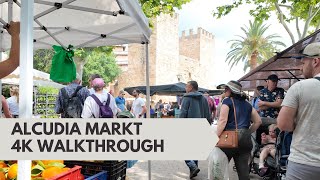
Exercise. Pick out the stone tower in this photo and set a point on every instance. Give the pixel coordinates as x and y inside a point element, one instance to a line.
<point>196,54</point>
<point>163,56</point>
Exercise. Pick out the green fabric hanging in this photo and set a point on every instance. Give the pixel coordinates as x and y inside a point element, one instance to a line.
<point>63,68</point>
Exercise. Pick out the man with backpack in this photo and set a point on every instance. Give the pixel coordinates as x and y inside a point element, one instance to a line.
<point>100,104</point>
<point>70,99</point>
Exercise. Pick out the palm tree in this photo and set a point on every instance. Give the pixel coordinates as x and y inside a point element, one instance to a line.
<point>254,48</point>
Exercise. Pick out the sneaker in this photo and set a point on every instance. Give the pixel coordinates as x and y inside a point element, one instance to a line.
<point>194,172</point>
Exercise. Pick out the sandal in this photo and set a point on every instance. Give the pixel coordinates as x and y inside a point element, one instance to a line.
<point>263,171</point>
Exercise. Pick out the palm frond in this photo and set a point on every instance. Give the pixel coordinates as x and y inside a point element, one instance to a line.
<point>253,40</point>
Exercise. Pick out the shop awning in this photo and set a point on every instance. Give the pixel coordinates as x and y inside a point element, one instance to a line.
<point>285,64</point>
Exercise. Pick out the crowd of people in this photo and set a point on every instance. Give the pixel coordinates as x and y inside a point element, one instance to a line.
<point>298,111</point>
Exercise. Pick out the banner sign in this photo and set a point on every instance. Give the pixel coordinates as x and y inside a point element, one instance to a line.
<point>106,139</point>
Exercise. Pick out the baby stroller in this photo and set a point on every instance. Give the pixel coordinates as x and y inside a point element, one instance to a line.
<point>276,166</point>
<point>127,114</point>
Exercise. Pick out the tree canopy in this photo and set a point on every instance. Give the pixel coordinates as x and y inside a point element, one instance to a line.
<point>96,60</point>
<point>42,59</point>
<point>153,8</point>
<point>287,11</point>
<point>254,47</point>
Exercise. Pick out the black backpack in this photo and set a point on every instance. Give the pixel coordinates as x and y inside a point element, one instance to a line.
<point>104,110</point>
<point>72,106</point>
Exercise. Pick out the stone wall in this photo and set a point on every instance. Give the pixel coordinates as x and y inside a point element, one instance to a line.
<point>190,45</point>
<point>196,57</point>
<point>163,56</point>
<point>190,56</point>
<point>167,51</point>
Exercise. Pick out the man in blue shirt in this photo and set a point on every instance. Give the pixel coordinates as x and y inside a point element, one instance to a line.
<point>120,101</point>
<point>271,98</point>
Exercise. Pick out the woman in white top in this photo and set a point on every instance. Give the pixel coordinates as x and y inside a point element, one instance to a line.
<point>13,101</point>
<point>91,109</point>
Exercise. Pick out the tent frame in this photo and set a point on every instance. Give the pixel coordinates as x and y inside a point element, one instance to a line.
<point>65,4</point>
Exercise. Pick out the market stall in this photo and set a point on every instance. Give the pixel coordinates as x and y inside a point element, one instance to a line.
<point>39,79</point>
<point>177,89</point>
<point>285,64</point>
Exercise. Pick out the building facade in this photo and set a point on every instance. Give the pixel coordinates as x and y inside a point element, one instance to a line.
<point>172,58</point>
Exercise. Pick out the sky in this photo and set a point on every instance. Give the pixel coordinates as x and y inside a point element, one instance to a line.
<point>198,13</point>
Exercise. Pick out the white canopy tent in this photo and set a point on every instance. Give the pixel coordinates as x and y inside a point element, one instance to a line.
<point>81,23</point>
<point>39,79</point>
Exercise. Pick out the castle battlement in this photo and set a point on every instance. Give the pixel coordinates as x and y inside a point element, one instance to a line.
<point>200,33</point>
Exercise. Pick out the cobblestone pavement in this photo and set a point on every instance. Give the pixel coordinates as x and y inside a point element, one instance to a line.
<point>173,170</point>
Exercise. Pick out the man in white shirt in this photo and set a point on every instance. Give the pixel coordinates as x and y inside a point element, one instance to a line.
<point>92,77</point>
<point>300,113</point>
<point>138,105</point>
<point>91,109</point>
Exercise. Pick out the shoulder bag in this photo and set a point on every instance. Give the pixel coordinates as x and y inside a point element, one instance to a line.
<point>229,138</point>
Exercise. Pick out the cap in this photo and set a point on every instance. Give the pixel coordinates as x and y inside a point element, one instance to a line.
<point>98,83</point>
<point>312,50</point>
<point>273,77</point>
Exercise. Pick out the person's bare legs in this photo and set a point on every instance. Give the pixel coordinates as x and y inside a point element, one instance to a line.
<point>273,153</point>
<point>263,155</point>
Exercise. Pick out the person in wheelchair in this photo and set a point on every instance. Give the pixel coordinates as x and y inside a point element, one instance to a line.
<point>268,143</point>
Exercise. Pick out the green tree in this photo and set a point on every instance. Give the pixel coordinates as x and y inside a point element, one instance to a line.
<point>254,47</point>
<point>153,8</point>
<point>103,64</point>
<point>287,11</point>
<point>103,55</point>
<point>42,59</point>
<point>82,55</point>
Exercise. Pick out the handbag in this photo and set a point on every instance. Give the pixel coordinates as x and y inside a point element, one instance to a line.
<point>229,138</point>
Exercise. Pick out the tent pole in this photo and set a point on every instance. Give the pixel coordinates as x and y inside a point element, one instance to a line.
<point>1,35</point>
<point>4,23</point>
<point>10,3</point>
<point>104,36</point>
<point>65,5</point>
<point>50,34</point>
<point>148,96</point>
<point>55,33</point>
<point>44,28</point>
<point>26,75</point>
<point>51,9</point>
<point>1,49</point>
